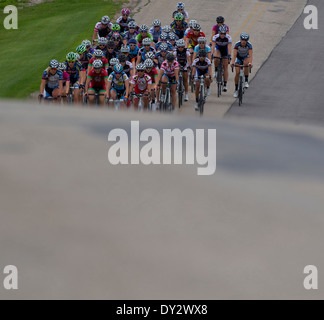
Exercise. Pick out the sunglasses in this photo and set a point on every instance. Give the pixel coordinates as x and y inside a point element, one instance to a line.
<point>147,45</point>
<point>164,51</point>
<point>140,70</point>
<point>132,45</point>
<point>125,15</point>
<point>118,72</point>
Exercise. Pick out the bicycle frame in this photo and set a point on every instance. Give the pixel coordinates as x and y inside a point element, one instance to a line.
<point>241,88</point>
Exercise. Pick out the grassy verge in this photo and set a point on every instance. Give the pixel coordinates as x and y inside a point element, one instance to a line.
<point>46,31</point>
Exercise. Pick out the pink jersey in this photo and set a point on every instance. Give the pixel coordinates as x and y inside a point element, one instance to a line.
<point>141,83</point>
<point>170,70</point>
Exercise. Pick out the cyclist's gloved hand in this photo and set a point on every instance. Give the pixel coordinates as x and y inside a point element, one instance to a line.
<point>40,96</point>
<point>230,57</point>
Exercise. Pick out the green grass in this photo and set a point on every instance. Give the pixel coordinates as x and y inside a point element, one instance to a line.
<point>46,31</point>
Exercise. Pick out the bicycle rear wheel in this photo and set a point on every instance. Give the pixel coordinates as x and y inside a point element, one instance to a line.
<point>201,102</point>
<point>219,79</point>
<point>240,91</point>
<point>180,94</point>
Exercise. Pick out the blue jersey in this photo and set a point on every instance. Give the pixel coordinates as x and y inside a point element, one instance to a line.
<point>155,34</point>
<point>52,79</point>
<point>134,53</point>
<point>242,52</point>
<point>118,84</point>
<point>74,72</point>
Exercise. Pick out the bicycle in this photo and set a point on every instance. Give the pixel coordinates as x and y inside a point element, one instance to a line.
<point>141,101</point>
<point>220,75</point>
<point>241,88</point>
<point>165,98</point>
<point>96,94</point>
<point>202,94</point>
<point>180,88</point>
<point>192,83</point>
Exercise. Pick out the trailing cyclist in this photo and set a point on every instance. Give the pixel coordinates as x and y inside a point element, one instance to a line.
<point>102,45</point>
<point>201,67</point>
<point>141,84</point>
<point>220,22</point>
<point>111,50</point>
<point>102,29</point>
<point>164,39</point>
<point>182,55</point>
<point>127,65</point>
<point>161,55</point>
<point>85,57</point>
<point>179,25</point>
<point>77,75</point>
<point>143,34</point>
<point>66,81</point>
<point>242,55</point>
<point>156,30</point>
<point>118,84</point>
<point>132,33</point>
<point>98,55</point>
<point>87,43</point>
<point>202,46</point>
<point>181,9</point>
<point>124,19</point>
<point>172,39</point>
<point>222,48</point>
<point>152,72</point>
<point>97,82</point>
<point>52,81</point>
<point>192,38</point>
<point>169,73</point>
<point>144,50</point>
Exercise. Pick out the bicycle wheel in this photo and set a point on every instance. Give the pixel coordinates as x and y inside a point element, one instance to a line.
<point>180,94</point>
<point>201,101</point>
<point>240,91</point>
<point>219,79</point>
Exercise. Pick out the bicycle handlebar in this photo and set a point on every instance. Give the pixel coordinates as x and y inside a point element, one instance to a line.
<point>241,67</point>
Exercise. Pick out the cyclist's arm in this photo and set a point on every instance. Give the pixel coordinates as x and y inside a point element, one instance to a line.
<point>82,76</point>
<point>108,86</point>
<point>213,34</point>
<point>87,84</point>
<point>187,41</point>
<point>209,56</point>
<point>194,55</point>
<point>127,87</point>
<point>60,87</point>
<point>234,56</point>
<point>229,49</point>
<point>176,72</point>
<point>42,86</point>
<point>160,75</point>
<point>139,58</point>
<point>131,89</point>
<point>95,36</point>
<point>89,68</point>
<point>67,86</point>
<point>210,71</point>
<point>149,87</point>
<point>251,56</point>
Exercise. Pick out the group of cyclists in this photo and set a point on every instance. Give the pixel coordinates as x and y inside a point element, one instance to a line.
<point>129,62</point>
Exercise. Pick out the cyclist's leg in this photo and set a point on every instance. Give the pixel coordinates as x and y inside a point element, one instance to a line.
<point>246,71</point>
<point>173,93</point>
<point>185,80</point>
<point>225,68</point>
<point>146,99</point>
<point>113,94</point>
<point>76,92</point>
<point>207,80</point>
<point>164,82</point>
<point>216,61</point>
<point>91,95</point>
<point>196,80</point>
<point>191,50</point>
<point>102,96</point>
<point>64,98</point>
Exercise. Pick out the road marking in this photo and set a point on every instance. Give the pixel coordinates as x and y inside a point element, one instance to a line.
<point>247,20</point>
<point>257,17</point>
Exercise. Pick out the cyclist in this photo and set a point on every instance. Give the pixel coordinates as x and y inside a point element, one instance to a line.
<point>97,82</point>
<point>167,29</point>
<point>102,28</point>
<point>145,49</point>
<point>141,84</point>
<point>190,25</point>
<point>111,52</point>
<point>127,66</point>
<point>164,39</point>
<point>133,53</point>
<point>77,74</point>
<point>112,63</point>
<point>182,55</point>
<point>192,38</point>
<point>87,43</point>
<point>132,33</point>
<point>201,67</point>
<point>220,22</point>
<point>161,55</point>
<point>179,25</point>
<point>151,55</point>
<point>156,30</point>
<point>169,72</point>
<point>202,46</point>
<point>152,72</point>
<point>124,19</point>
<point>243,55</point>
<point>143,29</point>
<point>85,57</point>
<point>181,9</point>
<point>222,47</point>
<point>125,51</point>
<point>172,39</point>
<point>116,34</point>
<point>102,45</point>
<point>118,84</point>
<point>66,81</point>
<point>98,55</point>
<point>52,81</point>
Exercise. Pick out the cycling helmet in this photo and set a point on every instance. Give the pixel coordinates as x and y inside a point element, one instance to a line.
<point>132,41</point>
<point>164,36</point>
<point>132,25</point>
<point>150,55</point>
<point>181,43</point>
<point>192,23</point>
<point>220,19</point>
<point>116,36</point>
<point>140,67</point>
<point>125,11</point>
<point>62,66</point>
<point>97,64</point>
<point>170,56</point>
<point>118,68</point>
<point>196,27</point>
<point>71,57</point>
<point>98,53</point>
<point>178,16</point>
<point>245,36</point>
<point>113,61</point>
<point>115,27</point>
<point>124,49</point>
<point>77,56</point>
<point>54,64</point>
<point>172,36</point>
<point>202,53</point>
<point>166,29</point>
<point>81,49</point>
<point>105,20</point>
<point>163,47</point>
<point>111,44</point>
<point>122,58</point>
<point>222,29</point>
<point>148,63</point>
<point>143,28</point>
<point>180,5</point>
<point>156,23</point>
<point>102,41</point>
<point>87,43</point>
<point>146,41</point>
<point>202,40</point>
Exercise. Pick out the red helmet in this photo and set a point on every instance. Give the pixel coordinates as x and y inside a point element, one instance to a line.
<point>125,11</point>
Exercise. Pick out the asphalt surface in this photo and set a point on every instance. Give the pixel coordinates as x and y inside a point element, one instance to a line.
<point>77,227</point>
<point>289,85</point>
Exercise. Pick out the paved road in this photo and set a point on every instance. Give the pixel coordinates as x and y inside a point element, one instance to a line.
<point>289,86</point>
<point>266,21</point>
<point>77,227</point>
